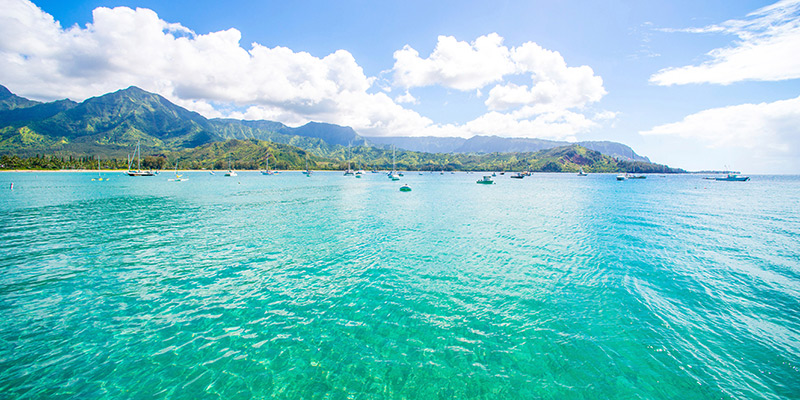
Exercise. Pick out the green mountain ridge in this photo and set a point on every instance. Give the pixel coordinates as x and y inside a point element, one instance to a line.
<point>10,101</point>
<point>112,124</point>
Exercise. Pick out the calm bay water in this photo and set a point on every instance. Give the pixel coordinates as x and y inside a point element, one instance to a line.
<point>332,287</point>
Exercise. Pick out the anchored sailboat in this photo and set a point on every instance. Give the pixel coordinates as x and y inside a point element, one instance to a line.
<point>99,177</point>
<point>348,171</point>
<point>266,170</point>
<point>178,178</point>
<point>307,172</point>
<point>138,171</point>
<point>393,175</point>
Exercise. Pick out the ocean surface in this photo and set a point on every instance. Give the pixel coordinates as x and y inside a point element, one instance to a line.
<point>330,287</point>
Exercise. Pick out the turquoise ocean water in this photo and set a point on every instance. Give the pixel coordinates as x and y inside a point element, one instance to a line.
<point>332,287</point>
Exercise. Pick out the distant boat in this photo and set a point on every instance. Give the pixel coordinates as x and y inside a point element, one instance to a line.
<point>581,173</point>
<point>138,171</point>
<point>633,175</point>
<point>518,175</point>
<point>733,178</point>
<point>99,177</point>
<point>393,175</point>
<point>405,188</point>
<point>178,178</point>
<point>348,171</point>
<point>307,172</point>
<point>528,171</point>
<point>487,180</point>
<point>622,177</point>
<point>231,173</point>
<point>266,170</point>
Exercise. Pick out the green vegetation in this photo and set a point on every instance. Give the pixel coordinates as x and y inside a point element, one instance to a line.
<point>252,154</point>
<point>65,134</point>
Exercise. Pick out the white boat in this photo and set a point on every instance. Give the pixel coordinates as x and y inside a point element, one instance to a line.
<point>733,178</point>
<point>138,171</point>
<point>633,174</point>
<point>231,171</point>
<point>266,170</point>
<point>393,175</point>
<point>348,171</point>
<point>581,173</point>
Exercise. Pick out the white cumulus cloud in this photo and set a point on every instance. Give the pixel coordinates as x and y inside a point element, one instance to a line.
<point>546,106</point>
<point>406,98</point>
<point>203,72</point>
<point>454,64</point>
<point>764,128</point>
<point>766,49</point>
<point>471,66</point>
<point>213,74</point>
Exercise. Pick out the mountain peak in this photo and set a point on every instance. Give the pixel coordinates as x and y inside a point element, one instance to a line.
<point>10,101</point>
<point>4,92</point>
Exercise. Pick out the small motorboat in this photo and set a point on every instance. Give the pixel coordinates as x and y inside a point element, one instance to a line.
<point>405,188</point>
<point>487,180</point>
<point>733,178</point>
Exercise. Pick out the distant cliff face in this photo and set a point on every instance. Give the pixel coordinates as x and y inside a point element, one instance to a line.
<point>496,144</point>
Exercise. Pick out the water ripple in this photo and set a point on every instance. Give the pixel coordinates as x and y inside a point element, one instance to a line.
<point>328,287</point>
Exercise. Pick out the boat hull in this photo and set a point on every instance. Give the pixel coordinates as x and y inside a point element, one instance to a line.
<point>140,173</point>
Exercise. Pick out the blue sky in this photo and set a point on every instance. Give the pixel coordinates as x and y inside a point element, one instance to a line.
<point>697,85</point>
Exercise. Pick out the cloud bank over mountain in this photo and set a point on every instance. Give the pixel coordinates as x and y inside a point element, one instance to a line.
<point>213,74</point>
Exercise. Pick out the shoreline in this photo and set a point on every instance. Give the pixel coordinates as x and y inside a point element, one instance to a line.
<point>122,171</point>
